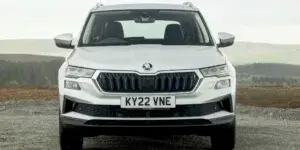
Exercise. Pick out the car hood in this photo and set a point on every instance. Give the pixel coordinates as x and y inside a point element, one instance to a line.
<point>134,56</point>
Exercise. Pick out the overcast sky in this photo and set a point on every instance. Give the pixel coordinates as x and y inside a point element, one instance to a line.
<point>273,21</point>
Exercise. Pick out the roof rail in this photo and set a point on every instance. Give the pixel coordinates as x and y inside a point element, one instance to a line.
<point>97,5</point>
<point>190,4</point>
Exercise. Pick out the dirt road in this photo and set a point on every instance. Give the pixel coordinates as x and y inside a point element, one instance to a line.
<point>33,125</point>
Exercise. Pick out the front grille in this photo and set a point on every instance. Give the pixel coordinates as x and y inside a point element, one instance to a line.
<point>160,83</point>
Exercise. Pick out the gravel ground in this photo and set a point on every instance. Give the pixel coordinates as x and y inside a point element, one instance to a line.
<point>33,125</point>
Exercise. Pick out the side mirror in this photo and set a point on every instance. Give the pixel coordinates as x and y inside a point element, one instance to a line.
<point>64,41</point>
<point>226,39</point>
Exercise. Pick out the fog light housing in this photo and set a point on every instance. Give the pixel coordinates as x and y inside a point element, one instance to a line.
<point>72,85</point>
<point>222,84</point>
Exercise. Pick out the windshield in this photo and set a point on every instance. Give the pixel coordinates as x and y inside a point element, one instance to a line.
<point>165,27</point>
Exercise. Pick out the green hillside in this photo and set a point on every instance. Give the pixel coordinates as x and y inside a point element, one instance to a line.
<point>28,58</point>
<point>270,69</point>
<point>268,74</point>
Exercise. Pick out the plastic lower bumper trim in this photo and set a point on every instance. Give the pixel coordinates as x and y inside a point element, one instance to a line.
<point>154,127</point>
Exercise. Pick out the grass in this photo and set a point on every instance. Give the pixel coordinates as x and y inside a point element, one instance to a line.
<point>28,92</point>
<point>260,96</point>
<point>269,96</point>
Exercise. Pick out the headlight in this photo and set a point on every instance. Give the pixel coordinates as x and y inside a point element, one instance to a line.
<point>215,71</point>
<point>76,72</point>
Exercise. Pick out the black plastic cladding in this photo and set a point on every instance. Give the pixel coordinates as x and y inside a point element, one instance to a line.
<point>160,83</point>
<point>180,111</point>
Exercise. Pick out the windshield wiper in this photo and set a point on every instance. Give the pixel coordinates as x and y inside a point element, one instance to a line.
<point>111,44</point>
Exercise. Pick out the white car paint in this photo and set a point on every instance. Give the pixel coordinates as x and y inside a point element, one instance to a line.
<point>134,56</point>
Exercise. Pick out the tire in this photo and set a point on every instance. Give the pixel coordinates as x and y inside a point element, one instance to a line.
<point>69,139</point>
<point>225,139</point>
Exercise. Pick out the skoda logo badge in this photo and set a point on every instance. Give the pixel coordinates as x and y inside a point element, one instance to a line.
<point>147,66</point>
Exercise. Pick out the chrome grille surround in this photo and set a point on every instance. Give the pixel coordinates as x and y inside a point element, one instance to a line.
<point>196,73</point>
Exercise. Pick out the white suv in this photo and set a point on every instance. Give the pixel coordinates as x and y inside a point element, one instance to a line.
<point>140,69</point>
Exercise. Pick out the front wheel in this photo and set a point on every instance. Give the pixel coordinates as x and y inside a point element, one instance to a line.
<point>225,139</point>
<point>69,139</point>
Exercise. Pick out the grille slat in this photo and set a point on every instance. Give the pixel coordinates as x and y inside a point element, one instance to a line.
<point>191,81</point>
<point>125,82</point>
<point>185,78</point>
<point>118,82</point>
<point>132,83</point>
<point>156,85</point>
<point>163,82</point>
<point>160,83</point>
<point>177,82</point>
<point>170,81</point>
<point>140,83</point>
<point>110,78</point>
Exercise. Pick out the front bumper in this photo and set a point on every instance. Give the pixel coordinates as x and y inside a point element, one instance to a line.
<point>201,119</point>
<point>206,125</point>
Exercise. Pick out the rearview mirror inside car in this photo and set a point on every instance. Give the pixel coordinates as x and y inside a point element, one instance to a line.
<point>144,17</point>
<point>225,39</point>
<point>64,41</point>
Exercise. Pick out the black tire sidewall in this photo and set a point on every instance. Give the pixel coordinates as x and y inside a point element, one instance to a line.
<point>225,139</point>
<point>69,139</point>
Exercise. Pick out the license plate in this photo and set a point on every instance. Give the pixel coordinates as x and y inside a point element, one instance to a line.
<point>148,102</point>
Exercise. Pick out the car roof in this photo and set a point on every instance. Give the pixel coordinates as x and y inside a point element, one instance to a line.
<point>143,6</point>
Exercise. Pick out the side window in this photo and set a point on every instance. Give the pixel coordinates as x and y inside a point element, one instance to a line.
<point>204,33</point>
<point>154,30</point>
